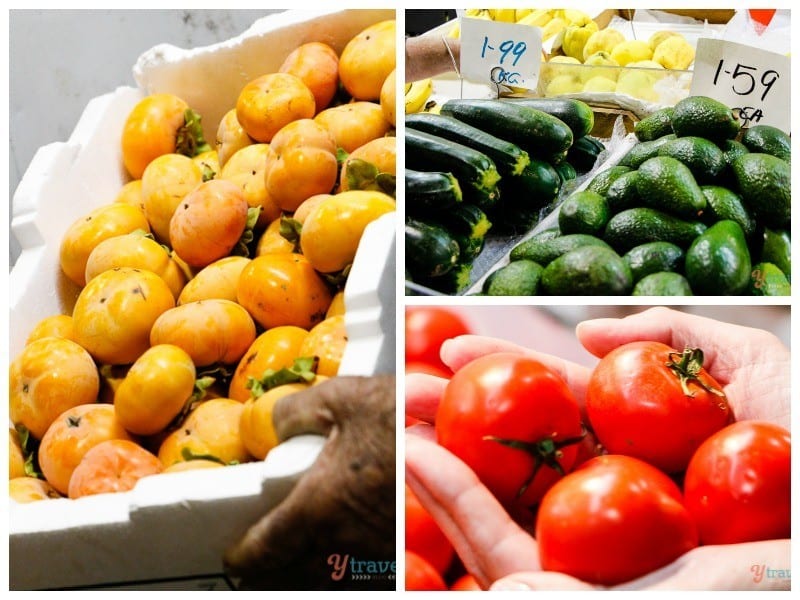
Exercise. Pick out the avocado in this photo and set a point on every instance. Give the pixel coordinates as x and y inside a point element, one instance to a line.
<point>664,283</point>
<point>777,249</point>
<point>546,251</point>
<point>769,140</point>
<point>655,125</point>
<point>653,257</point>
<point>666,184</point>
<point>703,157</point>
<point>518,278</point>
<point>765,185</point>
<point>622,193</point>
<point>583,212</point>
<point>722,203</point>
<point>644,150</point>
<point>587,271</point>
<point>718,261</point>
<point>705,117</point>
<point>768,280</point>
<point>637,226</point>
<point>604,179</point>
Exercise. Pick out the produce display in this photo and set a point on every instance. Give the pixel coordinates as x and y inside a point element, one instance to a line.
<point>696,207</point>
<point>213,284</point>
<point>653,464</point>
<point>484,168</point>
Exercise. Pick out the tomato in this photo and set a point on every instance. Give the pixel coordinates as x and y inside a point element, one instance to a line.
<point>332,231</point>
<point>283,289</point>
<point>271,101</point>
<point>115,312</point>
<point>614,519</point>
<point>421,576</point>
<point>165,183</point>
<point>514,422</point>
<point>646,400</point>
<point>209,331</point>
<point>154,127</point>
<point>210,431</point>
<point>420,367</point>
<point>71,436</point>
<point>327,341</point>
<point>31,489</point>
<point>156,388</point>
<point>466,583</point>
<point>738,484</point>
<point>112,466</point>
<point>49,376</point>
<point>217,280</point>
<point>247,168</point>
<point>424,537</point>
<point>83,235</point>
<point>274,349</point>
<point>427,327</point>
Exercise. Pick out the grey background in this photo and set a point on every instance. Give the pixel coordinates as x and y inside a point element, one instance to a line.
<point>61,59</point>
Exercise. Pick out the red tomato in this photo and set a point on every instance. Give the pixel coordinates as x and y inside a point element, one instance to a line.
<point>428,369</point>
<point>651,402</point>
<point>514,422</point>
<point>614,519</point>
<point>424,537</point>
<point>426,328</point>
<point>738,484</point>
<point>421,576</point>
<point>466,583</point>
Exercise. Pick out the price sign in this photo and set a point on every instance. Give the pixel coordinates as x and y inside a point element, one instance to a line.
<point>500,53</point>
<point>755,83</point>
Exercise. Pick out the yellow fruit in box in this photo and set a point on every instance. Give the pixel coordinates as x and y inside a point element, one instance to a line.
<point>605,66</point>
<point>537,18</point>
<point>660,36</point>
<point>631,51</point>
<point>674,53</point>
<point>637,85</point>
<point>521,13</point>
<point>553,27</point>
<point>567,60</point>
<point>563,84</point>
<point>600,84</point>
<point>604,40</point>
<point>575,38</point>
<point>504,15</point>
<point>646,64</point>
<point>574,17</point>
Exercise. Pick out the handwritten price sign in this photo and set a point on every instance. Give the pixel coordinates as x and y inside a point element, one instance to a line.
<point>500,53</point>
<point>755,83</point>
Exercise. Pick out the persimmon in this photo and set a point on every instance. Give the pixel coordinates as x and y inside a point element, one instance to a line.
<point>112,466</point>
<point>317,65</point>
<point>269,102</point>
<point>326,341</point>
<point>217,280</point>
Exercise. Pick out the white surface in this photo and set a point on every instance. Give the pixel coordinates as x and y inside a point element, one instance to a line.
<point>174,525</point>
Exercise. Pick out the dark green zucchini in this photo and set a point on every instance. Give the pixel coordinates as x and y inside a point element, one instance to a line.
<point>476,172</point>
<point>468,225</point>
<point>430,249</point>
<point>537,132</point>
<point>584,152</point>
<point>577,115</point>
<point>565,171</point>
<point>455,281</point>
<point>509,158</point>
<point>431,191</point>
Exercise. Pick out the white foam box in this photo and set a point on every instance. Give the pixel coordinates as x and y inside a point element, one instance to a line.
<point>170,531</point>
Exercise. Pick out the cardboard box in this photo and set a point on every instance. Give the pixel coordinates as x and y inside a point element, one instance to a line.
<point>170,531</point>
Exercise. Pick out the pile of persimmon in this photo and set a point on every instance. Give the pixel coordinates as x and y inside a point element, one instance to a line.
<point>212,285</point>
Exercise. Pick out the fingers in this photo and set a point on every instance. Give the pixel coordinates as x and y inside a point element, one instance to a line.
<point>486,539</point>
<point>542,580</point>
<point>423,393</point>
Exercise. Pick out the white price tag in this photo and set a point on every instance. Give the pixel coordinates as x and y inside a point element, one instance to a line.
<point>755,83</point>
<point>500,53</point>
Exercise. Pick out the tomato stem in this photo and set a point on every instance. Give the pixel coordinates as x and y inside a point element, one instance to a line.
<point>687,367</point>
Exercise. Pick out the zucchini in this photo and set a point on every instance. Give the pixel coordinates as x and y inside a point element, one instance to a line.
<point>537,132</point>
<point>431,191</point>
<point>526,197</point>
<point>476,172</point>
<point>468,225</point>
<point>430,249</point>
<point>577,115</point>
<point>584,152</point>
<point>509,158</point>
<point>455,281</point>
<point>566,172</point>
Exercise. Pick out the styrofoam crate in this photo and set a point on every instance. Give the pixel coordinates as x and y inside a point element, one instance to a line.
<point>170,531</point>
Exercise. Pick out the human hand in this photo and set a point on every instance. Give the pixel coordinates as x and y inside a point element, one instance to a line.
<point>345,504</point>
<point>735,355</point>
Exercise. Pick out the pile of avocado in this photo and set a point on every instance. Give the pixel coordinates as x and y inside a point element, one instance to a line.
<point>697,207</point>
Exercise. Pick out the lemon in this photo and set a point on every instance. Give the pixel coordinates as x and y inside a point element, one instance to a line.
<point>637,85</point>
<point>631,51</point>
<point>563,84</point>
<point>674,53</point>
<point>604,40</point>
<point>600,84</point>
<point>658,37</point>
<point>603,64</point>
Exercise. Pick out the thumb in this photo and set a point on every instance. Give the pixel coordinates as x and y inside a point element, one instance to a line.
<point>539,580</point>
